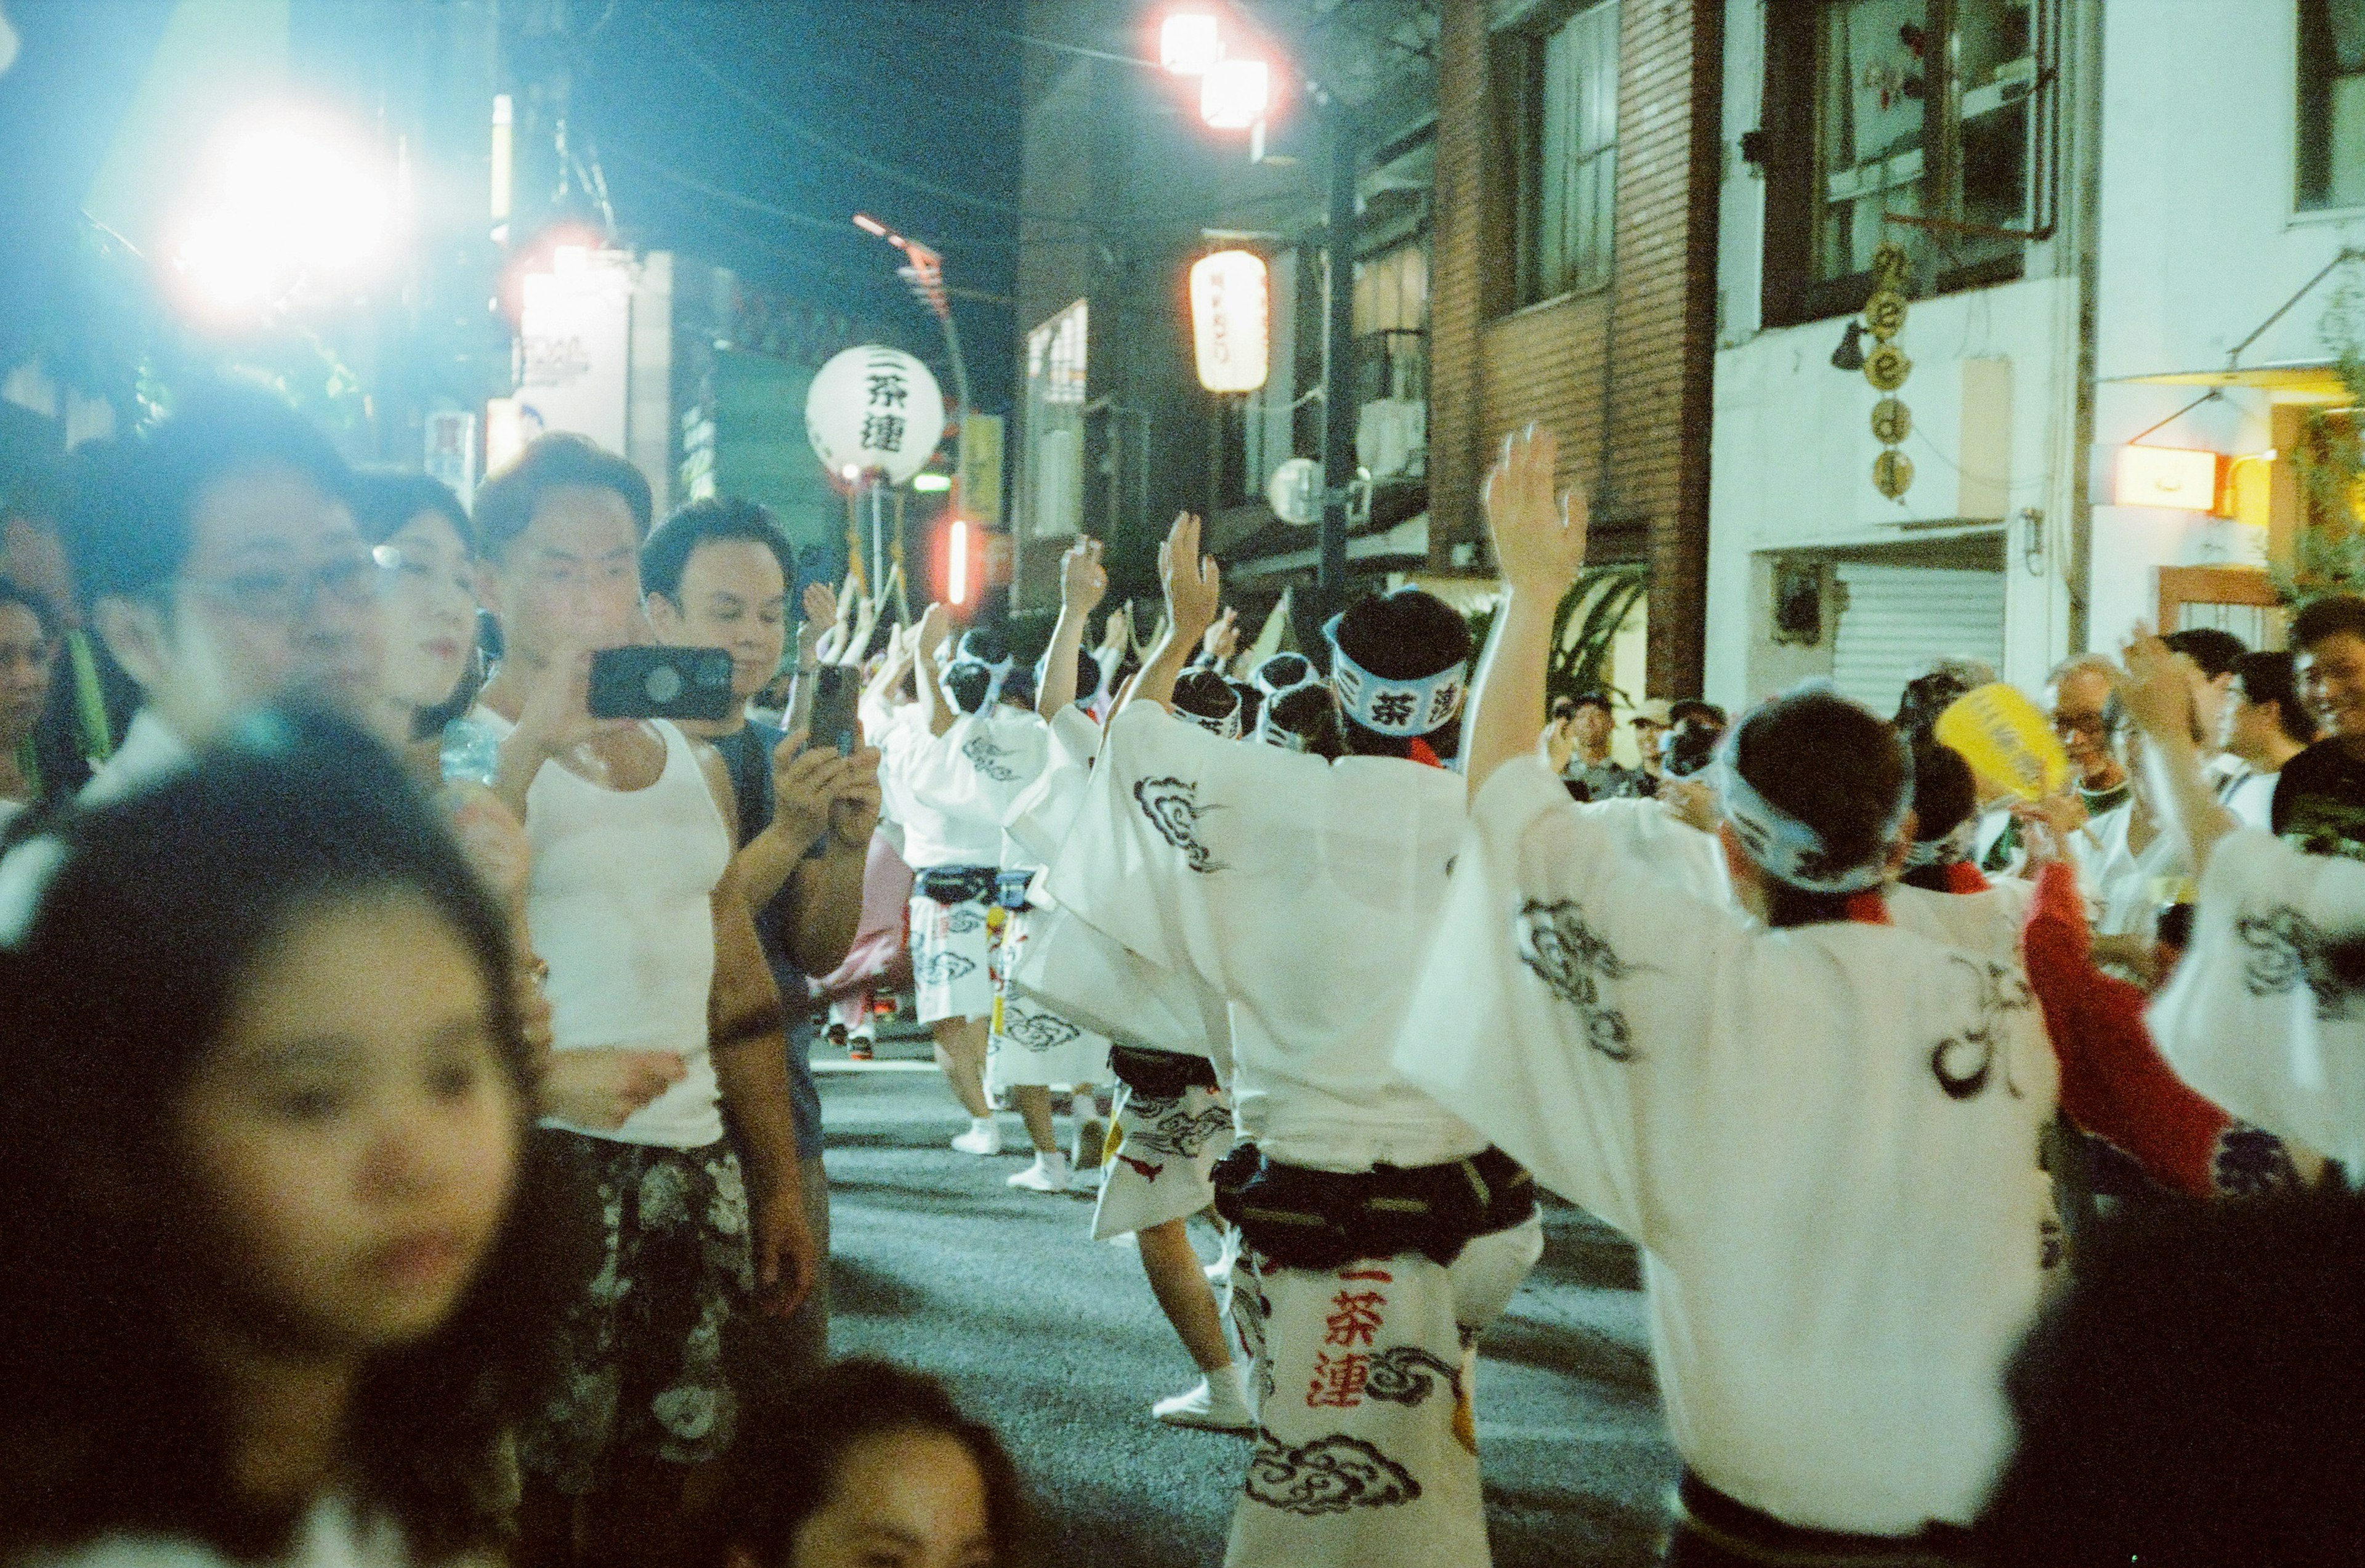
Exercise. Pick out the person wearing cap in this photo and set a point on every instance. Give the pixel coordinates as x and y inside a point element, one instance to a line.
<point>951,765</point>
<point>1591,773</point>
<point>1380,1232</point>
<point>1822,1129</point>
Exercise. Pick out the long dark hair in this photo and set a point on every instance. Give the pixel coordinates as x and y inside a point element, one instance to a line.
<point>781,1476</point>
<point>117,984</point>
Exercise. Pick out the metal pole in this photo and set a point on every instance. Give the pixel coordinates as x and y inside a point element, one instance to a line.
<point>1339,369</point>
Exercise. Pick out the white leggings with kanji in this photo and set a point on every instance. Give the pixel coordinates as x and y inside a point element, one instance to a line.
<point>1366,1446</point>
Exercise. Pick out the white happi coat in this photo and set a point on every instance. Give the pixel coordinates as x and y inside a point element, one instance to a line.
<point>1986,922</point>
<point>952,791</point>
<point>2262,1015</point>
<point>1825,1138</point>
<point>1031,1042</point>
<point>1303,892</point>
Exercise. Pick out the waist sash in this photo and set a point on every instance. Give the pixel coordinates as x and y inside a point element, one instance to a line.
<point>1300,1218</point>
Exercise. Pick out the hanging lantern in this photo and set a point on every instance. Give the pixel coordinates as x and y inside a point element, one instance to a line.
<point>875,407</point>
<point>1229,322</point>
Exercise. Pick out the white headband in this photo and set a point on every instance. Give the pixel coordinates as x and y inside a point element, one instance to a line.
<point>1267,732</point>
<point>996,674</point>
<point>1402,708</point>
<point>1788,849</point>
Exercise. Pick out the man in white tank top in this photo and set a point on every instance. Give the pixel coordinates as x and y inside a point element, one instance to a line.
<point>665,1016</point>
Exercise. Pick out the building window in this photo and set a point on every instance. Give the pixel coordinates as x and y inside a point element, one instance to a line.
<point>1557,73</point>
<point>1904,120</point>
<point>2331,142</point>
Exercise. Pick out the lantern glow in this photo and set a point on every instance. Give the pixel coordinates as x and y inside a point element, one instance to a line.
<point>1189,42</point>
<point>1235,94</point>
<point>1229,320</point>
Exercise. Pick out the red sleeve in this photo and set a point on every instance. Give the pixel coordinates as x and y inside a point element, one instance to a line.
<point>2114,1083</point>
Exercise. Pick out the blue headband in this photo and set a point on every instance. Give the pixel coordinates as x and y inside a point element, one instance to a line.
<point>1788,850</point>
<point>1387,707</point>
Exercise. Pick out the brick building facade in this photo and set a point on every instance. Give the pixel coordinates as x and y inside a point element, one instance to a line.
<point>1620,363</point>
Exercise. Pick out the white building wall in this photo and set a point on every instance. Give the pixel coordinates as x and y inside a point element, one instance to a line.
<point>2200,243</point>
<point>1994,396</point>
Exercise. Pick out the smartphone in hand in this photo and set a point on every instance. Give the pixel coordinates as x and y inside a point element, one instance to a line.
<point>661,683</point>
<point>834,719</point>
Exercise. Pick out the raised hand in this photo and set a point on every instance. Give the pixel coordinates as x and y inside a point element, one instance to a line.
<point>1083,579</point>
<point>1538,530</point>
<point>936,625</point>
<point>821,617</point>
<point>2158,695</point>
<point>1193,584</point>
<point>1116,631</point>
<point>1223,639</point>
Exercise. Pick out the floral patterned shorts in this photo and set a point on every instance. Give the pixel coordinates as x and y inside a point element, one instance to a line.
<point>644,1369</point>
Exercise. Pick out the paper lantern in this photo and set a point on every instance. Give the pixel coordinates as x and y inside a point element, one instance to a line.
<point>1228,320</point>
<point>875,407</point>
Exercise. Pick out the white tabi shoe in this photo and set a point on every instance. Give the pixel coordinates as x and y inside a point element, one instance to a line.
<point>985,1136</point>
<point>1216,1405</point>
<point>1047,1174</point>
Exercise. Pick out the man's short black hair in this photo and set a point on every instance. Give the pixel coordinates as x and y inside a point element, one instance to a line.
<point>2270,677</point>
<point>507,502</point>
<point>1693,707</point>
<point>665,556</point>
<point>2213,650</point>
<point>132,505</point>
<point>2331,616</point>
<point>1591,700</point>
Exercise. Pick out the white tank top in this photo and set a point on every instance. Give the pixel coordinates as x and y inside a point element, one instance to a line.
<point>618,902</point>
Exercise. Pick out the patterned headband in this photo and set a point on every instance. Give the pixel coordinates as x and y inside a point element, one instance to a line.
<point>1267,732</point>
<point>996,674</point>
<point>1788,849</point>
<point>1387,707</point>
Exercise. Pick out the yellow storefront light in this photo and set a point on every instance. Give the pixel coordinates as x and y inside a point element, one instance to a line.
<point>2173,476</point>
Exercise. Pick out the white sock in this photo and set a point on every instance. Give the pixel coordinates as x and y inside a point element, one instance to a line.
<point>1053,1159</point>
<point>980,1124</point>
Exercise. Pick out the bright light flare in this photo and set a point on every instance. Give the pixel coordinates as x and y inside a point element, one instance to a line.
<point>1235,94</point>
<point>956,571</point>
<point>932,484</point>
<point>288,197</point>
<point>1189,42</point>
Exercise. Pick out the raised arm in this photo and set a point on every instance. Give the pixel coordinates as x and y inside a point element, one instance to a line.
<point>1193,586</point>
<point>1082,582</point>
<point>2160,700</point>
<point>935,705</point>
<point>1539,540</point>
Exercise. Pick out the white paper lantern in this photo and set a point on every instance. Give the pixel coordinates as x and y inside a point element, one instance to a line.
<point>1229,320</point>
<point>875,407</point>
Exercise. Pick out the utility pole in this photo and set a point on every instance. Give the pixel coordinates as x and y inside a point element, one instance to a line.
<point>1338,360</point>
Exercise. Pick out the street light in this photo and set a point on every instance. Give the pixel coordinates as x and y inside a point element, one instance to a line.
<point>1235,94</point>
<point>1189,42</point>
<point>290,197</point>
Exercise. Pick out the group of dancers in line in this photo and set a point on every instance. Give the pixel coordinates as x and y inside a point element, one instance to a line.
<point>1352,927</point>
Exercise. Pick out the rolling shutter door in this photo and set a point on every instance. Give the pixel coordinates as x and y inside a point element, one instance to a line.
<point>1897,618</point>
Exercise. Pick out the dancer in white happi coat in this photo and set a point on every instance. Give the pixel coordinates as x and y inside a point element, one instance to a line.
<point>1381,1233</point>
<point>949,766</point>
<point>1823,1130</point>
<point>1173,1120</point>
<point>2266,1014</point>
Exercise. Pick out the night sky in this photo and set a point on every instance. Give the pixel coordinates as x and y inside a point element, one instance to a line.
<point>809,111</point>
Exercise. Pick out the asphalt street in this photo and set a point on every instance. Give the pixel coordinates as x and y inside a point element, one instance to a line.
<point>1056,1341</point>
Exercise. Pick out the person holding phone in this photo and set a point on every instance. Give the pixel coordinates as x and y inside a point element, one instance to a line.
<point>637,904</point>
<point>716,575</point>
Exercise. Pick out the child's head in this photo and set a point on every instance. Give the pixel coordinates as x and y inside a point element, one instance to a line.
<point>267,1101</point>
<point>1399,663</point>
<point>1813,801</point>
<point>884,1470</point>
